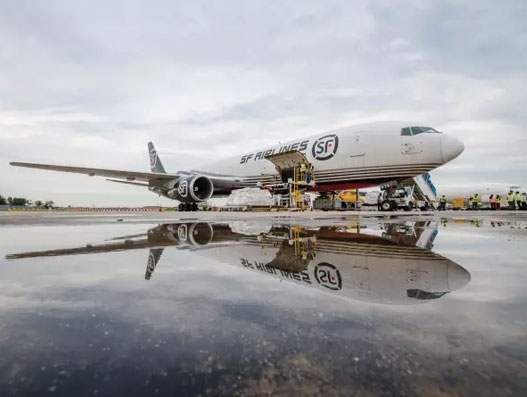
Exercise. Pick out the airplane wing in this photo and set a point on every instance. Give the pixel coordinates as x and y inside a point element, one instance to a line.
<point>150,177</point>
<point>94,249</point>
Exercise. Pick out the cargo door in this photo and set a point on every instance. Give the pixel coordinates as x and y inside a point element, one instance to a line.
<point>286,162</point>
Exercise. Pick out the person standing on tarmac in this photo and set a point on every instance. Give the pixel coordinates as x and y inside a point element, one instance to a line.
<point>520,199</point>
<point>492,202</point>
<point>442,203</point>
<point>475,201</point>
<point>517,204</point>
<point>498,202</point>
<point>379,202</point>
<point>511,200</point>
<point>524,201</point>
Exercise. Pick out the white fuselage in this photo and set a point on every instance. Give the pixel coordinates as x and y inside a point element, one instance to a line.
<point>483,190</point>
<point>355,156</point>
<point>372,272</point>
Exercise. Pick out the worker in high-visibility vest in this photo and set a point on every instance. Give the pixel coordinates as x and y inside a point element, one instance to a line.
<point>517,200</point>
<point>511,200</point>
<point>498,202</point>
<point>520,199</point>
<point>475,201</point>
<point>442,203</point>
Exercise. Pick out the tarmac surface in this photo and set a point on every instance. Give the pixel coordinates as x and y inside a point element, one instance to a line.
<point>232,303</point>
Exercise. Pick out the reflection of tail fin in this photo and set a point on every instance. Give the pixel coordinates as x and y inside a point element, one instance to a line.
<point>155,161</point>
<point>153,258</point>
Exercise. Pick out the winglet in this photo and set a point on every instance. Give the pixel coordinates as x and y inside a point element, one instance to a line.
<point>155,161</point>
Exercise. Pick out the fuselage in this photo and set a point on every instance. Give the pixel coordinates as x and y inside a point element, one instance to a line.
<point>483,190</point>
<point>351,157</point>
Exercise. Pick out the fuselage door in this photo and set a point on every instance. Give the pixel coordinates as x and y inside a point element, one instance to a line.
<point>417,279</point>
<point>286,163</point>
<point>360,278</point>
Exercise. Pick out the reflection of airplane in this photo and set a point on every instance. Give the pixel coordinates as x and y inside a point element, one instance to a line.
<point>351,157</point>
<point>359,265</point>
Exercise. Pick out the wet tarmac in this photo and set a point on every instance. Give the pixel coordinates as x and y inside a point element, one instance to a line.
<point>258,304</point>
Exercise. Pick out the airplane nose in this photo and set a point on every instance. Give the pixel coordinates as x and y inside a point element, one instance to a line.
<point>457,277</point>
<point>451,147</point>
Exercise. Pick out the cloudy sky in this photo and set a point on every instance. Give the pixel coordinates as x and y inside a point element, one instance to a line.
<point>89,83</point>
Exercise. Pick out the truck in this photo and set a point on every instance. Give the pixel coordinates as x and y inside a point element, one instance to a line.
<point>398,198</point>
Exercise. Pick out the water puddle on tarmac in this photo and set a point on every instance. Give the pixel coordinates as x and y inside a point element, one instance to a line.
<point>271,306</point>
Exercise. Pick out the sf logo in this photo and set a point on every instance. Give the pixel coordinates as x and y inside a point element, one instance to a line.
<point>182,189</point>
<point>182,233</point>
<point>328,276</point>
<point>325,147</point>
<point>153,158</point>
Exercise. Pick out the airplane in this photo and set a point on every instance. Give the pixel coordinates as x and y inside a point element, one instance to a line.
<point>348,158</point>
<point>484,190</point>
<point>391,265</point>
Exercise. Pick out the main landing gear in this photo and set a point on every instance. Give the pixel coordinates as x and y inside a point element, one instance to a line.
<point>187,207</point>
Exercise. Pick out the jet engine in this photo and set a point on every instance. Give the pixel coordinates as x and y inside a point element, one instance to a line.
<point>191,233</point>
<point>191,189</point>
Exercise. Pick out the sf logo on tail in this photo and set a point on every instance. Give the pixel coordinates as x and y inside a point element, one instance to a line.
<point>153,158</point>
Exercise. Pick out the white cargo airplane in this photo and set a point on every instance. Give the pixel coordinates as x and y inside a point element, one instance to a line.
<point>348,158</point>
<point>484,190</point>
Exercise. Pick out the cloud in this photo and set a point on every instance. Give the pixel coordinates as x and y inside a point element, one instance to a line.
<point>90,84</point>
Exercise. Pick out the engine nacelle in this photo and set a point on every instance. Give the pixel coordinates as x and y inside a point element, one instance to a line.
<point>192,233</point>
<point>192,189</point>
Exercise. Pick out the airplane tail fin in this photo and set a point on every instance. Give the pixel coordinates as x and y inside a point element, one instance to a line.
<point>155,161</point>
<point>153,258</point>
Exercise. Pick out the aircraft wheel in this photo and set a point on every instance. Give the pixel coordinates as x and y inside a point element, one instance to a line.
<point>386,205</point>
<point>188,207</point>
<point>409,207</point>
<point>194,207</point>
<point>181,207</point>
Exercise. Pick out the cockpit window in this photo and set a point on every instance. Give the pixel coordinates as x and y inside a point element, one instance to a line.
<point>418,130</point>
<point>421,130</point>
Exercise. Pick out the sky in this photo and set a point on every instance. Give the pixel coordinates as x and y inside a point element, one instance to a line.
<point>90,83</point>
